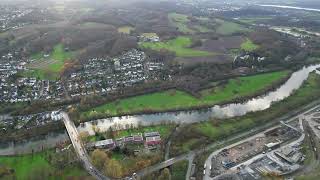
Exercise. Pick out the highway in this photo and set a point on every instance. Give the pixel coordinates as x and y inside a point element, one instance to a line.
<point>80,149</point>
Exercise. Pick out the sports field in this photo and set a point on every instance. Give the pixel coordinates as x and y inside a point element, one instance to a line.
<point>48,67</point>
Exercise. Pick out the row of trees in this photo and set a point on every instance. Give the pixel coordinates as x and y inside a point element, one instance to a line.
<point>109,166</point>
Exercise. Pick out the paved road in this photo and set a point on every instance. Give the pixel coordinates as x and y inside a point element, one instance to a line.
<point>191,158</point>
<point>209,160</point>
<point>162,165</point>
<point>293,143</point>
<point>81,151</point>
<point>79,148</point>
<point>313,124</point>
<point>253,132</point>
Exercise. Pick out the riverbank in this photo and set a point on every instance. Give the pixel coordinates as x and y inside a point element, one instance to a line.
<point>213,130</point>
<point>236,90</point>
<point>187,117</point>
<point>289,7</point>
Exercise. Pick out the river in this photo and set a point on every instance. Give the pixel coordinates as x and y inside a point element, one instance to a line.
<point>290,7</point>
<point>225,111</point>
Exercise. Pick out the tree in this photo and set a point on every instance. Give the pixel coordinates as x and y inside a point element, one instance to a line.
<point>165,174</point>
<point>113,168</point>
<point>110,133</point>
<point>84,136</point>
<point>99,158</point>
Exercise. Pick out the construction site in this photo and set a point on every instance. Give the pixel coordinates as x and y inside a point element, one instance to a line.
<point>277,152</point>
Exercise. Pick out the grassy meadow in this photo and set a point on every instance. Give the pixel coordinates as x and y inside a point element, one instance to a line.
<point>249,46</point>
<point>174,99</point>
<point>36,165</point>
<point>229,28</point>
<point>179,45</point>
<point>180,21</point>
<point>214,130</point>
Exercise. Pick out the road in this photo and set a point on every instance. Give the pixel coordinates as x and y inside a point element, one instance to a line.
<point>209,159</point>
<point>312,153</point>
<point>79,148</point>
<point>295,142</point>
<point>191,158</point>
<point>82,154</point>
<point>162,165</point>
<point>253,133</point>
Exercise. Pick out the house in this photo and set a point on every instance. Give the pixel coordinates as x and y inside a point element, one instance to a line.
<point>133,138</point>
<point>152,138</point>
<point>138,138</point>
<point>105,144</point>
<point>55,115</point>
<point>152,141</point>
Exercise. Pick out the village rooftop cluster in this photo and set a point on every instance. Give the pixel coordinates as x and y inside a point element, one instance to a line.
<point>98,76</point>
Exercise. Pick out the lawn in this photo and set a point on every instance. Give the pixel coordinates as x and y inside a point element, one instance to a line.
<point>24,165</point>
<point>249,46</point>
<point>229,28</point>
<point>180,21</point>
<point>179,45</point>
<point>125,29</point>
<point>173,99</point>
<point>49,67</point>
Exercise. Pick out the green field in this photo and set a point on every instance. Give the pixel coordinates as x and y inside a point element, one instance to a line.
<point>229,28</point>
<point>25,166</point>
<point>215,130</point>
<point>172,99</point>
<point>180,21</point>
<point>49,67</point>
<point>125,29</point>
<point>254,19</point>
<point>179,46</point>
<point>249,46</point>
